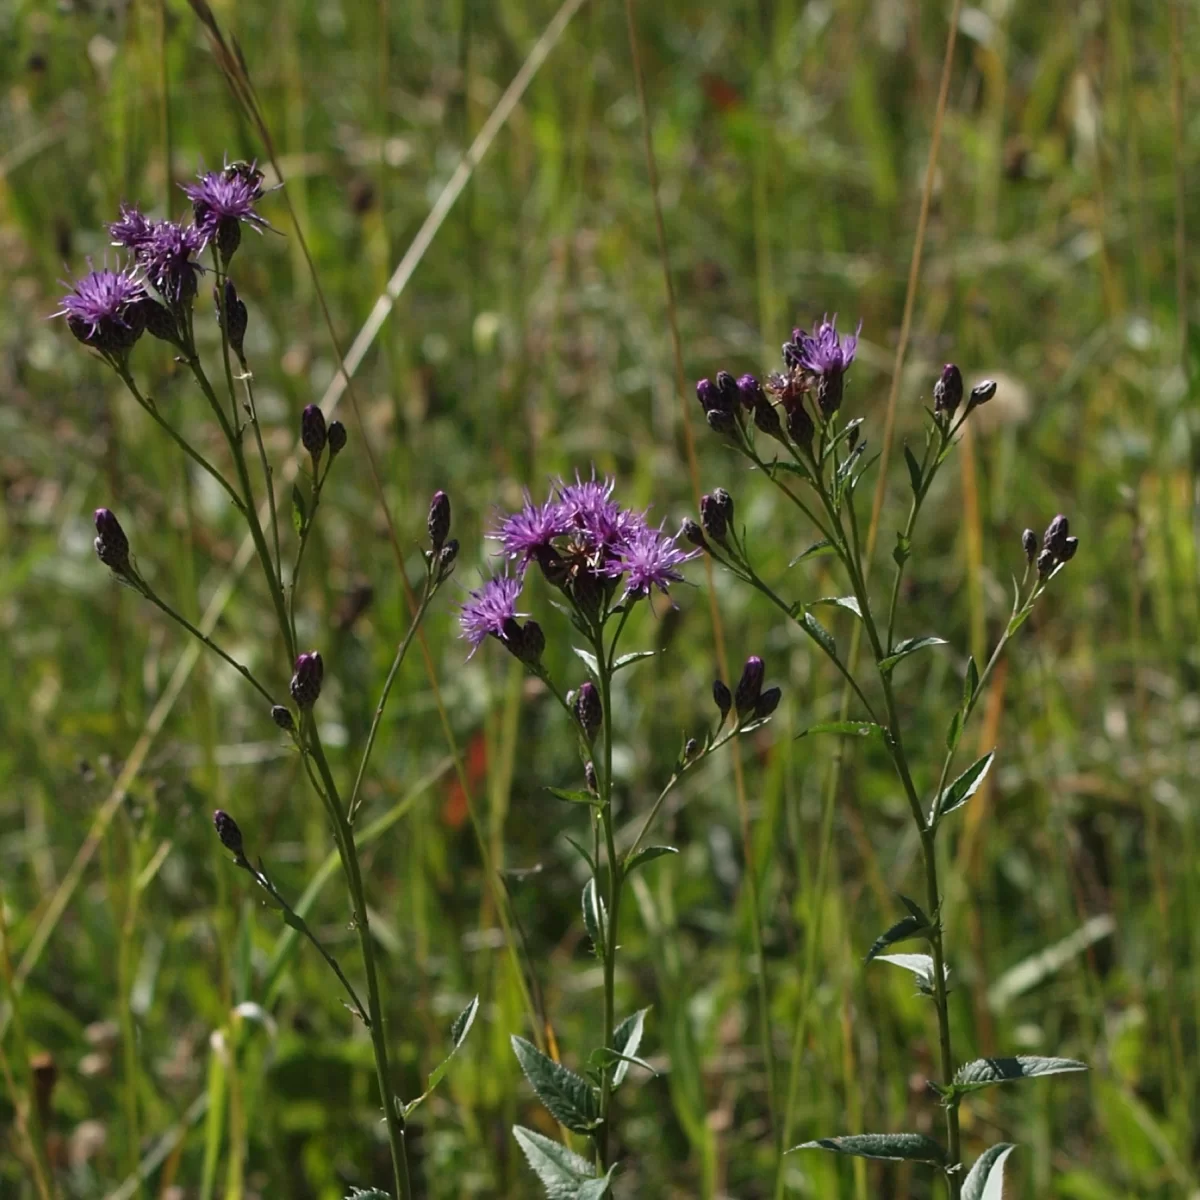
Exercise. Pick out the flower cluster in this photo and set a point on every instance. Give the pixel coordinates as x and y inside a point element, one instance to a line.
<point>586,545</point>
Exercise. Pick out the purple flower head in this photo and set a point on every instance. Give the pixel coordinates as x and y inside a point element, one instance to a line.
<point>523,533</point>
<point>166,257</point>
<point>222,201</point>
<point>587,506</point>
<point>104,310</point>
<point>133,230</point>
<point>649,559</point>
<point>488,608</point>
<point>825,354</point>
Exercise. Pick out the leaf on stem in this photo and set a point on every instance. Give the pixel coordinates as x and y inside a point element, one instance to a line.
<point>589,660</point>
<point>907,647</point>
<point>647,854</point>
<point>847,602</point>
<point>575,796</point>
<point>898,1147</point>
<point>570,1099</point>
<point>818,631</point>
<point>564,1174</point>
<point>299,510</point>
<point>595,916</point>
<point>914,470</point>
<point>986,1178</point>
<point>905,928</point>
<point>367,1194</point>
<point>627,1037</point>
<point>964,787</point>
<point>849,728</point>
<point>824,546</point>
<point>629,659</point>
<point>921,966</point>
<point>587,858</point>
<point>902,551</point>
<point>458,1035</point>
<point>970,680</point>
<point>984,1072</point>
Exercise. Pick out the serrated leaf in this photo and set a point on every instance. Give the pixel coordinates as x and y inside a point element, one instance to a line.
<point>818,631</point>
<point>595,917</point>
<point>589,660</point>
<point>575,796</point>
<point>903,929</point>
<point>299,509</point>
<point>627,1037</point>
<point>570,1099</point>
<point>824,546</point>
<point>647,854</point>
<point>595,1189</point>
<point>850,728</point>
<point>907,647</point>
<point>964,787</point>
<point>921,966</point>
<point>847,602</point>
<point>562,1171</point>
<point>984,1072</point>
<point>636,656</point>
<point>986,1178</point>
<point>899,1147</point>
<point>914,470</point>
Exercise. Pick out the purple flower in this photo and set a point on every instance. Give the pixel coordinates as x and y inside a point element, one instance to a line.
<point>488,609</point>
<point>133,230</point>
<point>649,559</point>
<point>222,201</point>
<point>588,507</point>
<point>827,355</point>
<point>104,310</point>
<point>166,257</point>
<point>522,534</point>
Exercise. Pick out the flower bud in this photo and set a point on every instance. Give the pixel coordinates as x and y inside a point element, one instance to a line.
<point>112,546</point>
<point>235,312</point>
<point>313,434</point>
<point>588,711</point>
<point>800,425</point>
<point>948,391</point>
<point>720,421</point>
<point>767,703</point>
<point>535,642</point>
<point>721,697</point>
<point>707,394</point>
<point>589,774</point>
<point>1069,547</point>
<point>446,558</point>
<point>525,643</point>
<point>749,686</point>
<point>691,746</point>
<point>1055,539</point>
<point>438,522</point>
<point>766,418</point>
<point>981,393</point>
<point>691,532</point>
<point>712,517</point>
<point>306,679</point>
<point>724,502</point>
<point>1029,544</point>
<point>829,392</point>
<point>1045,562</point>
<point>283,718</point>
<point>749,392</point>
<point>337,438</point>
<point>159,321</point>
<point>229,238</point>
<point>727,386</point>
<point>228,832</point>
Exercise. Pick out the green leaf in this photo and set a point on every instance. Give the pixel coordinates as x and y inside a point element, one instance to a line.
<point>914,470</point>
<point>647,854</point>
<point>907,647</point>
<point>824,546</point>
<point>954,730</point>
<point>899,1147</point>
<point>575,796</point>
<point>562,1172</point>
<point>921,965</point>
<point>587,858</point>
<point>458,1035</point>
<point>628,659</point>
<point>595,918</point>
<point>970,680</point>
<point>818,631</point>
<point>986,1178</point>
<point>299,509</point>
<point>984,1072</point>
<point>570,1099</point>
<point>906,927</point>
<point>589,660</point>
<point>914,908</point>
<point>964,787</point>
<point>847,602</point>
<point>902,551</point>
<point>850,728</point>
<point>595,1189</point>
<point>627,1037</point>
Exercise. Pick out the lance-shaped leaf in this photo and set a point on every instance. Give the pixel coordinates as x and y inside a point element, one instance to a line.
<point>647,854</point>
<point>847,602</point>
<point>570,1099</point>
<point>986,1178</point>
<point>818,631</point>
<point>964,787</point>
<point>629,659</point>
<point>899,1147</point>
<point>921,966</point>
<point>458,1035</point>
<point>596,1189</point>
<point>562,1172</point>
<point>907,647</point>
<point>914,470</point>
<point>595,916</point>
<point>984,1072</point>
<point>906,927</point>
<point>589,660</point>
<point>627,1037</point>
<point>824,546</point>
<point>848,728</point>
<point>575,796</point>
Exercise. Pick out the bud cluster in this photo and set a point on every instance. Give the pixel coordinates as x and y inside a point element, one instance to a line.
<point>749,700</point>
<point>1058,546</point>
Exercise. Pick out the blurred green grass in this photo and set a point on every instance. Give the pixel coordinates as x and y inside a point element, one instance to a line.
<point>791,141</point>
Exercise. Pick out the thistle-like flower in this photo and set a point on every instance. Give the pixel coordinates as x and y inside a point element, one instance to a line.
<point>827,356</point>
<point>649,559</point>
<point>104,311</point>
<point>166,257</point>
<point>222,202</point>
<point>530,529</point>
<point>488,609</point>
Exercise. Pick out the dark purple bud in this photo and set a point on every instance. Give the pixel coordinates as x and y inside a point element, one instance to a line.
<point>691,532</point>
<point>588,711</point>
<point>712,517</point>
<point>306,679</point>
<point>981,393</point>
<point>159,321</point>
<point>1069,548</point>
<point>438,523</point>
<point>722,698</point>
<point>535,642</point>
<point>707,394</point>
<point>800,425</point>
<point>313,434</point>
<point>112,546</point>
<point>446,558</point>
<point>587,590</point>
<point>691,746</point>
<point>1056,536</point>
<point>228,831</point>
<point>749,392</point>
<point>724,502</point>
<point>766,417</point>
<point>1029,544</point>
<point>727,387</point>
<point>1045,562</point>
<point>767,703</point>
<point>229,238</point>
<point>283,718</point>
<point>829,393</point>
<point>524,643</point>
<point>337,438</point>
<point>720,421</point>
<point>749,687</point>
<point>235,311</point>
<point>589,774</point>
<point>948,391</point>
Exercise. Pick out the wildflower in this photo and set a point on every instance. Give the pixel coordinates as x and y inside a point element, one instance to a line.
<point>308,673</point>
<point>523,533</point>
<point>749,687</point>
<point>104,311</point>
<point>235,314</point>
<point>588,507</point>
<point>722,697</point>
<point>133,229</point>
<point>948,391</point>
<point>826,355</point>
<point>767,703</point>
<point>337,438</point>
<point>166,257</point>
<point>438,521</point>
<point>313,434</point>
<point>1029,544</point>
<point>283,718</point>
<point>650,559</point>
<point>228,832</point>
<point>588,710</point>
<point>112,546</point>
<point>718,400</point>
<point>489,608</point>
<point>222,201</point>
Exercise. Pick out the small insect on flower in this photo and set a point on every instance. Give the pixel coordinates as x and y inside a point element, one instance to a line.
<point>104,311</point>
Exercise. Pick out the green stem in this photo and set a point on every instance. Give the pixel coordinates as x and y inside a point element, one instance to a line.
<point>268,474</point>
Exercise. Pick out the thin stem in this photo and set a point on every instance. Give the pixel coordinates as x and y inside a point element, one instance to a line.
<point>268,474</point>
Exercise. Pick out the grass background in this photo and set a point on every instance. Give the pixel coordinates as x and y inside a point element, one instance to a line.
<point>533,339</point>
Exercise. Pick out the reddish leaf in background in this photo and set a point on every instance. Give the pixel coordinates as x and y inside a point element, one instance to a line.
<point>454,807</point>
